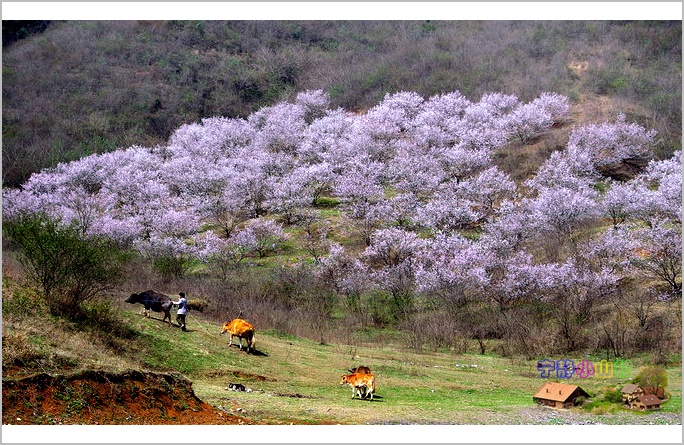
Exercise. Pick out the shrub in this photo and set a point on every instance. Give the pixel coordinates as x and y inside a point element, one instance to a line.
<point>652,379</point>
<point>100,317</point>
<point>20,302</point>
<point>171,266</point>
<point>67,268</point>
<point>612,395</point>
<point>580,401</point>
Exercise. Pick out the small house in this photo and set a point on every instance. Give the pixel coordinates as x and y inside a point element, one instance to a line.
<point>647,401</point>
<point>630,392</point>
<point>559,395</point>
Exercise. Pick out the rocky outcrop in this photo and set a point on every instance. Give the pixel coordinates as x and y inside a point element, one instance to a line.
<point>625,170</point>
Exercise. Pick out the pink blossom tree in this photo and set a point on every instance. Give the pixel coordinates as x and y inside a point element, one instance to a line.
<point>659,255</point>
<point>289,195</point>
<point>452,269</point>
<point>528,120</point>
<point>416,173</point>
<point>510,232</point>
<point>556,105</point>
<point>343,273</point>
<point>619,150</point>
<point>315,104</point>
<point>327,139</point>
<point>211,139</point>
<point>393,257</point>
<point>279,128</point>
<point>317,180</point>
<point>611,250</point>
<point>561,213</point>
<point>449,210</point>
<point>663,182</point>
<point>572,289</point>
<point>435,124</point>
<point>624,202</point>
<point>487,189</point>
<point>263,236</point>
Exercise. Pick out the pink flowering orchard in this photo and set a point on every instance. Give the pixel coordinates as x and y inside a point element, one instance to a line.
<point>429,213</point>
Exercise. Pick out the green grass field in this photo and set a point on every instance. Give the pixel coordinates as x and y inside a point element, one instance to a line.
<point>295,380</point>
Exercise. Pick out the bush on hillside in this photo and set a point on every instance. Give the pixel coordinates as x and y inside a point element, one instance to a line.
<point>67,268</point>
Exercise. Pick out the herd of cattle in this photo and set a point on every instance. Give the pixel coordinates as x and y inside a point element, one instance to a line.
<point>361,380</point>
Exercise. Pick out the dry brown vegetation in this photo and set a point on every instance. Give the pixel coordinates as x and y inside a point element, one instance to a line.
<point>88,87</point>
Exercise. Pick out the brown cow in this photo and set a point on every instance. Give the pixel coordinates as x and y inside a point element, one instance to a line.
<point>360,370</point>
<point>358,382</point>
<point>241,329</point>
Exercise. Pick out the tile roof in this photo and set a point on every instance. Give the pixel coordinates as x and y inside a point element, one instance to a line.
<point>649,400</point>
<point>558,392</point>
<point>629,388</point>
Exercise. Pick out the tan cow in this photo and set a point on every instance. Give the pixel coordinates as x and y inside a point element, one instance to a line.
<point>359,382</point>
<point>241,329</point>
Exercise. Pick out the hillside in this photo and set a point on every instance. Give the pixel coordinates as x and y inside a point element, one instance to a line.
<point>287,380</point>
<point>78,88</point>
<point>446,202</point>
<point>466,219</point>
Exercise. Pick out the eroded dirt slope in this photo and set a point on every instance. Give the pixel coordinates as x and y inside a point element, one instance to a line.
<point>97,397</point>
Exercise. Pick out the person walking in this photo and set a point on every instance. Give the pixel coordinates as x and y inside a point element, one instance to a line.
<point>182,304</point>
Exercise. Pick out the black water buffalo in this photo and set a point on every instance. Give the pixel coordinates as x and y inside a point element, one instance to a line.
<point>151,299</point>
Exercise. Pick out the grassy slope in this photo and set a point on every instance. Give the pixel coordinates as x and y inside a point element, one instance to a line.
<point>296,380</point>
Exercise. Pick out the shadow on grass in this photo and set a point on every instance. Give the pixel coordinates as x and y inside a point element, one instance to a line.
<point>258,353</point>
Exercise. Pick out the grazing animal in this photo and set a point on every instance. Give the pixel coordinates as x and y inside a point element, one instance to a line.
<point>360,370</point>
<point>152,300</point>
<point>241,329</point>
<point>359,382</point>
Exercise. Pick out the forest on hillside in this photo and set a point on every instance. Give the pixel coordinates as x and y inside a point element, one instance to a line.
<point>73,88</point>
<point>326,223</point>
<point>513,185</point>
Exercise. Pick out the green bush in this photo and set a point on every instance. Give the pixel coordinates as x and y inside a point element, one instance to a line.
<point>19,303</point>
<point>613,396</point>
<point>67,268</point>
<point>653,378</point>
<point>387,309</point>
<point>101,317</point>
<point>171,266</point>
